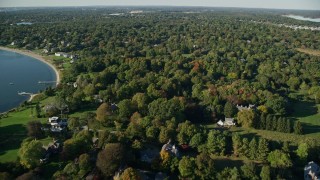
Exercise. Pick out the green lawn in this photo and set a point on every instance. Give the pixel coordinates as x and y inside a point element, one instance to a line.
<point>309,114</point>
<point>270,135</point>
<point>306,112</point>
<point>12,133</point>
<point>58,58</point>
<point>222,162</point>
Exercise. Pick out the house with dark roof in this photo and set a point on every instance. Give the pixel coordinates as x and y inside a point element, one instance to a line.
<point>312,171</point>
<point>172,149</point>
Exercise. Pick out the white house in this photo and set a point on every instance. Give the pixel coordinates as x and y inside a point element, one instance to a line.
<point>53,120</point>
<point>240,107</point>
<point>62,54</point>
<point>227,122</point>
<point>57,124</point>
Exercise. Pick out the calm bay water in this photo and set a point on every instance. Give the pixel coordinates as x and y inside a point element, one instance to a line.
<point>20,73</point>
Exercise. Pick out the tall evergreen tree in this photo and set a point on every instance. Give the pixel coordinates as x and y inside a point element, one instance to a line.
<point>265,173</point>
<point>248,171</point>
<point>298,128</point>
<point>38,110</point>
<point>216,142</point>
<point>253,149</point>
<point>244,150</point>
<point>269,122</point>
<point>263,121</point>
<point>263,149</point>
<point>229,109</point>
<point>279,124</point>
<point>288,126</point>
<point>236,143</point>
<point>286,147</point>
<point>283,125</point>
<point>274,123</point>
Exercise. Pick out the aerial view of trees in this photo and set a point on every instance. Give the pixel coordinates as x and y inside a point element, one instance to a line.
<point>147,90</point>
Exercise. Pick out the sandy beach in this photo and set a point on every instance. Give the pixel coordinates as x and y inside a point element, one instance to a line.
<point>36,56</point>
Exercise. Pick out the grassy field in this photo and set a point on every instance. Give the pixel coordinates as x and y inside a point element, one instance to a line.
<point>309,51</point>
<point>12,132</point>
<point>309,114</point>
<point>306,112</point>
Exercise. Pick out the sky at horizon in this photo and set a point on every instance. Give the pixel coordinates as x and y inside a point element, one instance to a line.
<point>273,4</point>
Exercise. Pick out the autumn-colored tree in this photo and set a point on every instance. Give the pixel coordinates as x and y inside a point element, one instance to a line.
<point>130,174</point>
<point>102,112</point>
<point>109,159</point>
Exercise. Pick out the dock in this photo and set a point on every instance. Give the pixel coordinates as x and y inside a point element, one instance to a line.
<point>46,82</point>
<point>25,94</point>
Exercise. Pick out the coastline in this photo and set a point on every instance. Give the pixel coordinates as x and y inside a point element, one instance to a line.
<point>37,57</point>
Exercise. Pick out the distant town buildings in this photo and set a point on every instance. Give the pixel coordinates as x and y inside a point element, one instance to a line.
<point>295,27</point>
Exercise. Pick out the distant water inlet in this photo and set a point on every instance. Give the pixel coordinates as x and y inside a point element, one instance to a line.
<point>303,18</point>
<point>21,74</point>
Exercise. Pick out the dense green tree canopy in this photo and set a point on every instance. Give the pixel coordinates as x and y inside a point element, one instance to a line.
<point>30,153</point>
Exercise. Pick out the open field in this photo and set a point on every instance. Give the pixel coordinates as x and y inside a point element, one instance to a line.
<point>306,112</point>
<point>12,133</point>
<point>309,51</point>
<point>309,114</point>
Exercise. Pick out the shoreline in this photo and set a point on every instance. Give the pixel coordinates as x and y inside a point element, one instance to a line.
<point>37,57</point>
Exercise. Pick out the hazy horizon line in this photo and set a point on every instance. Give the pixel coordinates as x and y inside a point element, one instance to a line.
<point>101,6</point>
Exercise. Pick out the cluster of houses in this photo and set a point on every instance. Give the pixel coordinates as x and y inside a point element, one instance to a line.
<point>295,27</point>
<point>66,55</point>
<point>228,122</point>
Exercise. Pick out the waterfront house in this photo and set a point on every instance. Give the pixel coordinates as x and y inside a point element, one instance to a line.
<point>62,54</point>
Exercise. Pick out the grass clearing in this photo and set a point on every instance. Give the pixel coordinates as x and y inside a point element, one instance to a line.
<point>312,52</point>
<point>13,131</point>
<point>308,113</point>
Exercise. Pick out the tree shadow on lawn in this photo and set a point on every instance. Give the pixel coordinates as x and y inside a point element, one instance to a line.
<point>304,109</point>
<point>11,137</point>
<point>309,128</point>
